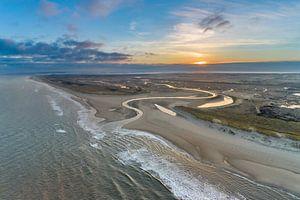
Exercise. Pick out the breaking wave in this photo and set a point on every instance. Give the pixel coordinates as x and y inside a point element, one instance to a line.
<point>182,183</point>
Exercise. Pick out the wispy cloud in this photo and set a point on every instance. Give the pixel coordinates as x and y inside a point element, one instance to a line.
<point>48,8</point>
<point>132,25</point>
<point>215,21</point>
<point>190,12</point>
<point>101,7</point>
<point>206,19</point>
<point>186,33</point>
<point>62,50</point>
<point>198,25</point>
<point>72,28</point>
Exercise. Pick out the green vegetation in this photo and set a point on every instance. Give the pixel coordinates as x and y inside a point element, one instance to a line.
<point>247,120</point>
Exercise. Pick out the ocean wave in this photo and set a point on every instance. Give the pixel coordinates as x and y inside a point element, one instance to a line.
<point>89,122</point>
<point>297,94</point>
<point>126,132</point>
<point>54,105</point>
<point>181,182</point>
<point>167,169</point>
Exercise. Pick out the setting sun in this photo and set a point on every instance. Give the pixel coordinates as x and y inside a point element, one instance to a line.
<point>200,63</point>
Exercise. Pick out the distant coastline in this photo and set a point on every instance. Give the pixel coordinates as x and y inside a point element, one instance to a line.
<point>92,69</point>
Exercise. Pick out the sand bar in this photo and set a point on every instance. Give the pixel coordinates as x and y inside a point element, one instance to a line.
<point>165,110</point>
<point>226,101</point>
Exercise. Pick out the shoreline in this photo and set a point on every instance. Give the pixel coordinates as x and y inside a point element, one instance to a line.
<point>170,128</point>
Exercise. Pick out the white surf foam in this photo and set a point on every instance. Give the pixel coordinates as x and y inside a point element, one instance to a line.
<point>90,123</point>
<point>297,94</point>
<point>58,110</point>
<point>295,106</point>
<point>181,182</point>
<point>124,132</point>
<point>61,131</point>
<point>95,145</point>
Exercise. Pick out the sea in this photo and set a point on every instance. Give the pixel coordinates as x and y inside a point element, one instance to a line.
<point>53,147</point>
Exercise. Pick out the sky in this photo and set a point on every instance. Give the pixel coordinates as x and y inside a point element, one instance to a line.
<point>149,31</point>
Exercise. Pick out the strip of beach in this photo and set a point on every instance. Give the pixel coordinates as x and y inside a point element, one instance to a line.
<point>154,113</point>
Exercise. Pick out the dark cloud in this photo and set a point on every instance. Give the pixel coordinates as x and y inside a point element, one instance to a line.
<point>62,50</point>
<point>48,8</point>
<point>214,22</point>
<point>80,44</point>
<point>148,54</point>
